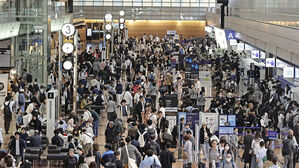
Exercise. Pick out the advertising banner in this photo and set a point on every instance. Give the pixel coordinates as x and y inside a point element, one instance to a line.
<point>193,119</point>
<point>205,78</point>
<point>220,38</point>
<point>3,87</point>
<point>227,123</point>
<point>211,119</point>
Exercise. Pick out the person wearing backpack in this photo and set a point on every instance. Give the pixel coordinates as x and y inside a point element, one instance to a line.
<point>288,148</point>
<point>228,163</point>
<point>167,157</point>
<point>261,155</point>
<point>7,110</point>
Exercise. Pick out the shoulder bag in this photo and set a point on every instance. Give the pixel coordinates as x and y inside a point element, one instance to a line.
<point>131,162</point>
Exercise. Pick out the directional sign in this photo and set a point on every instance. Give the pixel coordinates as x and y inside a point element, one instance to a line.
<point>68,30</point>
<point>68,48</point>
<point>270,62</point>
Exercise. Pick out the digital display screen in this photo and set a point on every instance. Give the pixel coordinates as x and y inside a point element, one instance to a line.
<point>89,32</point>
<point>297,73</point>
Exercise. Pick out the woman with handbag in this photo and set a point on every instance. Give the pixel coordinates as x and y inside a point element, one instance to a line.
<point>130,154</point>
<point>187,152</point>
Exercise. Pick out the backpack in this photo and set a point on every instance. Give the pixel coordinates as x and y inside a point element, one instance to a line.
<point>155,165</point>
<point>29,78</point>
<point>150,132</point>
<point>7,111</point>
<point>42,97</point>
<point>167,137</point>
<point>291,121</point>
<point>286,147</point>
<point>224,162</point>
<point>141,139</point>
<point>123,66</point>
<point>35,87</point>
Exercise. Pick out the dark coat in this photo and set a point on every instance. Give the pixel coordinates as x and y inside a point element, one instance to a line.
<point>36,141</point>
<point>247,146</point>
<point>12,147</point>
<point>167,158</point>
<point>70,162</point>
<point>202,134</point>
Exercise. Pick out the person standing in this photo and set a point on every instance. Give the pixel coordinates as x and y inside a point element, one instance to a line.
<point>86,115</point>
<point>228,162</point>
<point>111,109</point>
<point>129,151</point>
<point>255,145</point>
<point>87,141</point>
<point>96,122</point>
<point>167,157</point>
<point>261,154</point>
<point>71,160</point>
<point>187,152</point>
<point>214,155</point>
<point>247,147</point>
<point>7,109</point>
<point>204,140</point>
<point>287,151</point>
<point>17,147</point>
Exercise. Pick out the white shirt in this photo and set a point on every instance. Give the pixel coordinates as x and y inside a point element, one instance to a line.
<point>10,105</point>
<point>30,108</point>
<point>153,117</point>
<point>162,109</point>
<point>261,153</point>
<point>26,119</point>
<point>1,137</point>
<point>17,147</point>
<point>86,138</point>
<point>86,115</point>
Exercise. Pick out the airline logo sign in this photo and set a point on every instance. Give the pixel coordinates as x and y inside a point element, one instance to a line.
<point>231,34</point>
<point>270,62</point>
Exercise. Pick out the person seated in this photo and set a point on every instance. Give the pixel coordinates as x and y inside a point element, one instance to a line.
<point>36,140</point>
<point>35,123</point>
<point>57,140</point>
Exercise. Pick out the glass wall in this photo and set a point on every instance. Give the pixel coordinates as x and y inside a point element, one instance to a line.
<point>147,3</point>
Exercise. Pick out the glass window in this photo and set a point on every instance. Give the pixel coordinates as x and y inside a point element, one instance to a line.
<point>176,3</point>
<point>185,3</point>
<point>117,3</point>
<point>137,2</point>
<point>194,3</point>
<point>166,2</point>
<point>127,2</point>
<point>98,2</point>
<point>147,2</point>
<point>157,2</point>
<point>88,2</point>
<point>79,3</point>
<point>108,2</point>
<point>204,3</point>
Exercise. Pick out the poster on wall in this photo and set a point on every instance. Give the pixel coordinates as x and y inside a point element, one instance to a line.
<point>288,72</point>
<point>211,119</point>
<point>172,121</point>
<point>222,120</point>
<point>3,87</point>
<point>220,38</point>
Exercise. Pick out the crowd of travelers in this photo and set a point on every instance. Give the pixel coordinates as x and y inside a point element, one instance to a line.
<point>128,91</point>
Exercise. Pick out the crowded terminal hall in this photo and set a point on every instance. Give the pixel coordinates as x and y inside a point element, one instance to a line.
<point>149,84</point>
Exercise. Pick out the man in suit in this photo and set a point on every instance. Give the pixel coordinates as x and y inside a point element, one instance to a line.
<point>17,147</point>
<point>36,140</point>
<point>160,122</point>
<point>140,108</point>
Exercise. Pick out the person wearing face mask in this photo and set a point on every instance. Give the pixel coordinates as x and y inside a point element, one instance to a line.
<point>214,155</point>
<point>228,163</point>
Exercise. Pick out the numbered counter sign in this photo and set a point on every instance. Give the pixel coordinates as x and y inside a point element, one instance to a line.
<point>68,30</point>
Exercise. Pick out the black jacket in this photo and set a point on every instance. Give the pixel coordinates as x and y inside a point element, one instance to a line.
<point>138,108</point>
<point>36,141</point>
<point>70,162</point>
<point>12,147</point>
<point>167,158</point>
<point>152,145</point>
<point>202,134</point>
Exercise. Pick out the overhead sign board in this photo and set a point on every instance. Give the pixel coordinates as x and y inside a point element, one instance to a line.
<point>240,46</point>
<point>288,72</point>
<point>9,30</point>
<point>255,54</point>
<point>233,42</point>
<point>262,55</point>
<point>297,73</point>
<point>270,62</point>
<point>220,38</point>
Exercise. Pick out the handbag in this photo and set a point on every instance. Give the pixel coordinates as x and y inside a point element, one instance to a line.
<point>131,162</point>
<point>155,165</point>
<point>90,158</point>
<point>167,137</point>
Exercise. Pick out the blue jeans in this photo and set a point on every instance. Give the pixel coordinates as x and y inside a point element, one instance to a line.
<point>96,127</point>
